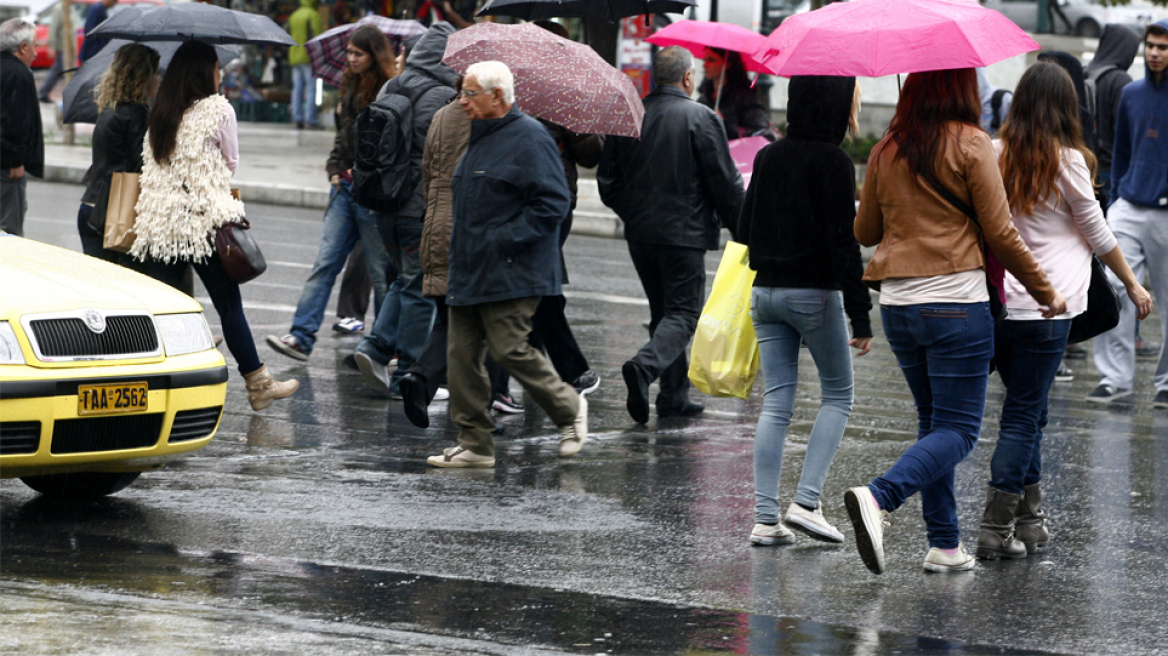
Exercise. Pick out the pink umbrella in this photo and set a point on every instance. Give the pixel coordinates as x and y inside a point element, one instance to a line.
<point>873,38</point>
<point>559,80</point>
<point>742,151</point>
<point>696,36</point>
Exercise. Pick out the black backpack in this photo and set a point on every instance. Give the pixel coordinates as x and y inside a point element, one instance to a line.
<point>383,141</point>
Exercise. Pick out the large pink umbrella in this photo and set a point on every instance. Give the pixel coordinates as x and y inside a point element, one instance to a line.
<point>696,36</point>
<point>559,80</point>
<point>873,38</point>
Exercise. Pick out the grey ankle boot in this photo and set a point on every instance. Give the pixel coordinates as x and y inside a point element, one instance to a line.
<point>996,539</point>
<point>1030,520</point>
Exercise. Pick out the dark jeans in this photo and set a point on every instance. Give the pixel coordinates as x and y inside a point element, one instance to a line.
<point>944,350</point>
<point>1028,354</point>
<point>674,279</point>
<point>92,241</point>
<point>224,293</point>
<point>431,364</point>
<point>356,285</point>
<point>551,333</point>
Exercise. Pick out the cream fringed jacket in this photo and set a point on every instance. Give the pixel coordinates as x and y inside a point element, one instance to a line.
<point>183,200</point>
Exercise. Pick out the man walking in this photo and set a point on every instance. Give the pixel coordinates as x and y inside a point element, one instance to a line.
<point>303,25</point>
<point>57,37</point>
<point>510,196</point>
<point>671,188</point>
<point>96,15</point>
<point>1117,50</point>
<point>22,146</point>
<point>1139,217</point>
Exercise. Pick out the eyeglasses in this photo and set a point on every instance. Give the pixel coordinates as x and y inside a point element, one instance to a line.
<point>471,94</point>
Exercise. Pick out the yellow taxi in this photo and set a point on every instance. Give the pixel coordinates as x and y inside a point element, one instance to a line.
<point>104,373</point>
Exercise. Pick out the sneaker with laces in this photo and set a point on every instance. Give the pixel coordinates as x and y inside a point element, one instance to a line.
<point>289,346</point>
<point>939,561</point>
<point>587,383</point>
<point>457,457</point>
<point>442,394</point>
<point>374,373</point>
<point>1146,349</point>
<point>507,403</point>
<point>349,325</point>
<point>812,523</point>
<point>1107,393</point>
<point>767,535</point>
<point>574,435</point>
<point>1161,400</point>
<point>868,521</point>
<point>1064,374</point>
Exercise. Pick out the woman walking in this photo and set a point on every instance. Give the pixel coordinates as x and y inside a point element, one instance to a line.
<point>123,98</point>
<point>190,152</point>
<point>933,298</point>
<point>798,225</point>
<point>1048,171</point>
<point>738,103</point>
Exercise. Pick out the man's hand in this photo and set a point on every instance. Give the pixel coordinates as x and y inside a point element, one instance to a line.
<point>16,173</point>
<point>1142,300</point>
<point>335,180</point>
<point>1057,306</point>
<point>862,343</point>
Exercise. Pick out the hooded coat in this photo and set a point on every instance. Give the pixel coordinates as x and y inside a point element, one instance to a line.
<point>1117,50</point>
<point>1139,164</point>
<point>1074,68</point>
<point>799,210</point>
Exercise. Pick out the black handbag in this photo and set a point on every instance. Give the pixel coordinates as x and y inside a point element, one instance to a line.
<point>239,253</point>
<point>1103,306</point>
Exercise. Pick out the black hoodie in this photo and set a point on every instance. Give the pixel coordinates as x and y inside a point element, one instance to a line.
<point>799,210</point>
<point>1117,50</point>
<point>1072,66</point>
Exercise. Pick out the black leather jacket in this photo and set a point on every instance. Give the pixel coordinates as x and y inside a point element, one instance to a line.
<point>677,183</point>
<point>117,146</point>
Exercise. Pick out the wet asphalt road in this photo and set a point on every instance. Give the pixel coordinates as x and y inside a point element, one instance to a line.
<point>315,527</point>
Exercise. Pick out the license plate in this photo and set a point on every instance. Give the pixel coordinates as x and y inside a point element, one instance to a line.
<point>112,399</point>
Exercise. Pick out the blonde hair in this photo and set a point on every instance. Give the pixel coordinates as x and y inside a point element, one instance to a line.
<point>854,117</point>
<point>128,77</point>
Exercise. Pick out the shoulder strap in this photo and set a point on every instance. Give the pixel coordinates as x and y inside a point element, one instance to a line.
<point>956,202</point>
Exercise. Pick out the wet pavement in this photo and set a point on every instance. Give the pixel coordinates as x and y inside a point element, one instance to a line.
<point>316,526</point>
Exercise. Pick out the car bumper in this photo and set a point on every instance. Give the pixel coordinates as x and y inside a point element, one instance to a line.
<point>42,432</point>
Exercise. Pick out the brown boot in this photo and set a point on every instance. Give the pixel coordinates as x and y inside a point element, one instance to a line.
<point>262,389</point>
<point>996,539</point>
<point>1030,521</point>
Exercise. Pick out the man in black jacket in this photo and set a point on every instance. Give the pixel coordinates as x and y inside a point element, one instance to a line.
<point>671,188</point>
<point>22,146</point>
<point>1107,72</point>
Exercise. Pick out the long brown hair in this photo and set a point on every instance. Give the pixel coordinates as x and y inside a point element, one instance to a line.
<point>128,77</point>
<point>928,103</point>
<point>189,78</point>
<point>1043,119</point>
<point>366,85</point>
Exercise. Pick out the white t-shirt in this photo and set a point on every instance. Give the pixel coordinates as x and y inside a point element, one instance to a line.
<point>960,287</point>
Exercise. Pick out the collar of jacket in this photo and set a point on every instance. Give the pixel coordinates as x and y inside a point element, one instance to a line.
<point>8,55</point>
<point>670,90</point>
<point>481,128</point>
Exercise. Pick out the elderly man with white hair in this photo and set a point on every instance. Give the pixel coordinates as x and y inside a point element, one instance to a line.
<point>510,196</point>
<point>22,146</point>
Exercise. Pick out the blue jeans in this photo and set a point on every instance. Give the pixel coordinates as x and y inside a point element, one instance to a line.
<point>944,350</point>
<point>1028,354</point>
<point>344,223</point>
<point>303,94</point>
<point>404,320</point>
<point>782,319</point>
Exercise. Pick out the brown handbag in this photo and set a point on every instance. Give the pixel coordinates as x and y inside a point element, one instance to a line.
<point>120,215</point>
<point>239,253</point>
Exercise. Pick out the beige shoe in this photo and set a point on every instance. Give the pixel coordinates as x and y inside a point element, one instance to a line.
<point>459,457</point>
<point>939,561</point>
<point>262,389</point>
<point>573,436</point>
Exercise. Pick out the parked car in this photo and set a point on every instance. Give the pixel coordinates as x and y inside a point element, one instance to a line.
<point>45,56</point>
<point>1082,17</point>
<point>104,373</point>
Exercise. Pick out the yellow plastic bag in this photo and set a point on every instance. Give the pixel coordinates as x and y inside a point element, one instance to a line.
<point>724,359</point>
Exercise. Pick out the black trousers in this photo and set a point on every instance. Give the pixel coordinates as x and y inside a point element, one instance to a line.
<point>356,286</point>
<point>674,279</point>
<point>551,333</point>
<point>431,364</point>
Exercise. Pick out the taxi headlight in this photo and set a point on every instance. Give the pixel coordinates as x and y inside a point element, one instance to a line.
<point>184,333</point>
<point>10,352</point>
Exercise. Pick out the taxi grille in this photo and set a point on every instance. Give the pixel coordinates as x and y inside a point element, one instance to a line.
<point>92,434</point>
<point>19,437</point>
<point>194,424</point>
<point>70,338</point>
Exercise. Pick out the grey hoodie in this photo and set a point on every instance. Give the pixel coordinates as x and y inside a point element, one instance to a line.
<point>1117,50</point>
<point>986,91</point>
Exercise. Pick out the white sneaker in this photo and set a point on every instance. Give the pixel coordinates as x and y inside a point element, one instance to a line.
<point>349,325</point>
<point>374,373</point>
<point>442,394</point>
<point>460,458</point>
<point>939,561</point>
<point>812,523</point>
<point>573,437</point>
<point>868,522</point>
<point>770,535</point>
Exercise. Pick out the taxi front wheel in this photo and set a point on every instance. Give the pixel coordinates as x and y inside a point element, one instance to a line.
<point>81,485</point>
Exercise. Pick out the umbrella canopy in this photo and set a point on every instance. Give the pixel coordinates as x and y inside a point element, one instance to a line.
<point>193,21</point>
<point>559,80</point>
<point>80,106</point>
<point>327,51</point>
<point>696,36</point>
<point>608,10</point>
<point>873,38</point>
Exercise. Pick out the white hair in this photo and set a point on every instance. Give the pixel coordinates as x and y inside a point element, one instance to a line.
<point>494,75</point>
<point>14,32</point>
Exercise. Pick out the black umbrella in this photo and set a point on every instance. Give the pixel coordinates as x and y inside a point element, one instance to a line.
<point>608,10</point>
<point>80,106</point>
<point>193,21</point>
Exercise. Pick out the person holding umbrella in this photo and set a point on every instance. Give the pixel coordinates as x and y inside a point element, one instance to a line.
<point>123,98</point>
<point>727,91</point>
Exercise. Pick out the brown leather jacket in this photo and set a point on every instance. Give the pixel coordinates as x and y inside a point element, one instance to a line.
<point>921,234</point>
<point>445,143</point>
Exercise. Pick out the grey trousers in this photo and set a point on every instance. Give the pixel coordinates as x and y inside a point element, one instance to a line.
<point>1143,237</point>
<point>13,203</point>
<point>501,328</point>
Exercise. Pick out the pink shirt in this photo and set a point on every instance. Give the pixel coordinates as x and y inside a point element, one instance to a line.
<point>227,138</point>
<point>1062,235</point>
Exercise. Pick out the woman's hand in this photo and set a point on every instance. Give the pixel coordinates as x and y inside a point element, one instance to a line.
<point>1057,306</point>
<point>1142,299</point>
<point>862,343</point>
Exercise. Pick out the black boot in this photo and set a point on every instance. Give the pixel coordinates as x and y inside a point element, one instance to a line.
<point>996,539</point>
<point>1030,520</point>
